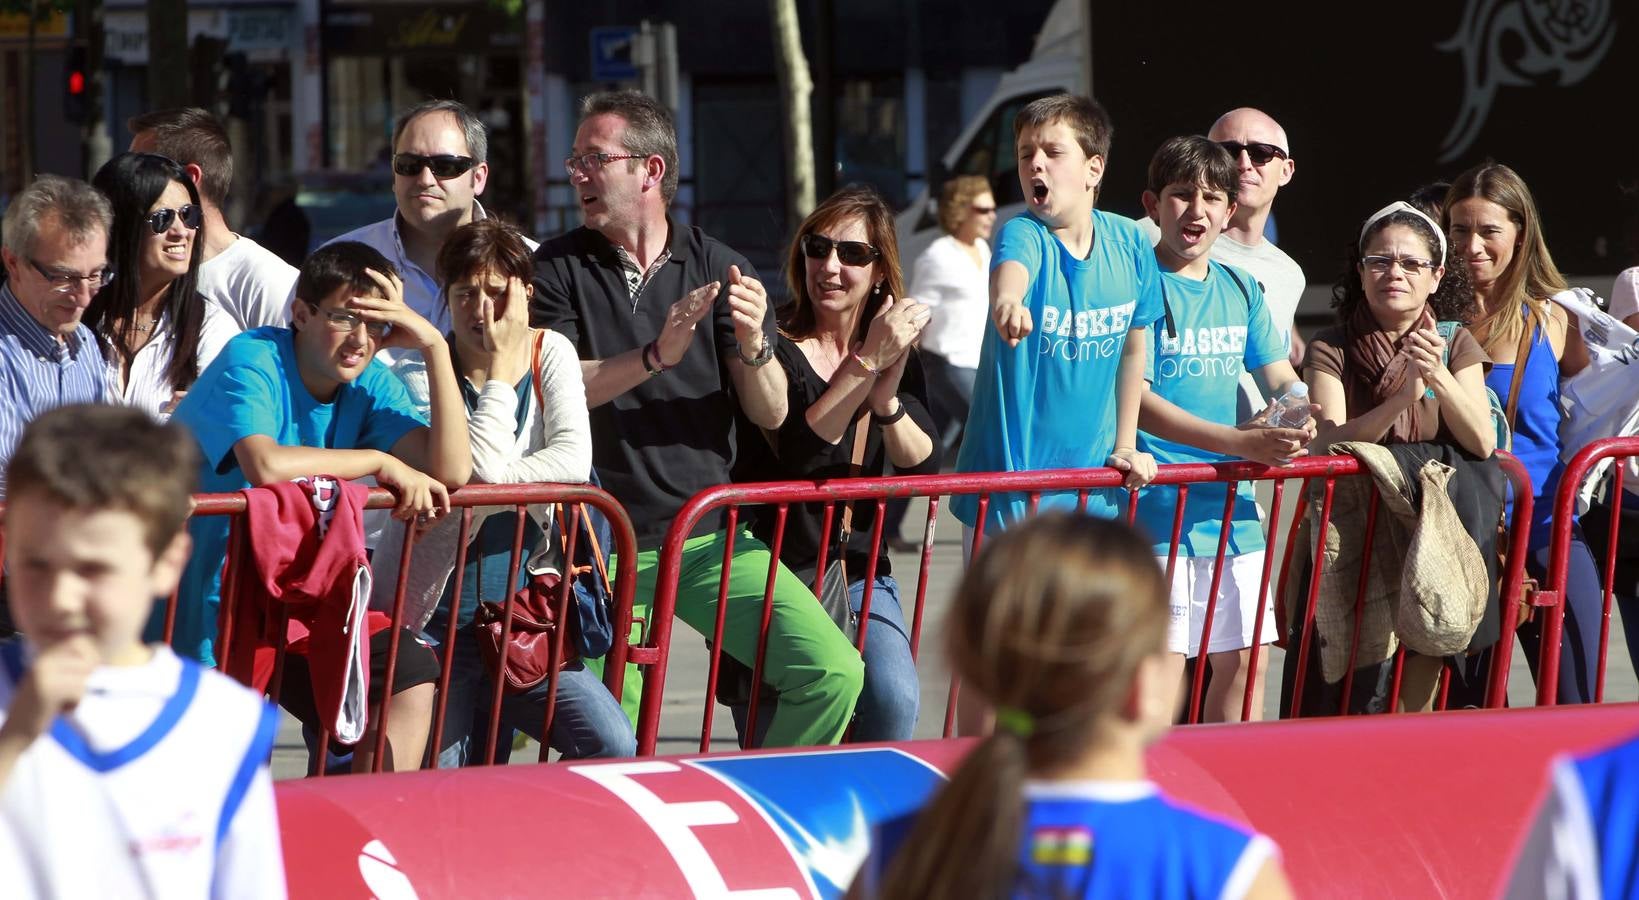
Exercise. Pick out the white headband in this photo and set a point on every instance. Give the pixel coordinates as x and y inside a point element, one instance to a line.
<point>1401,206</point>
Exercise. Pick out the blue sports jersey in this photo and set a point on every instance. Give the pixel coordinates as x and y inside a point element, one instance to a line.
<point>1050,402</point>
<point>1584,843</point>
<point>253,387</point>
<point>1212,331</point>
<point>1112,839</point>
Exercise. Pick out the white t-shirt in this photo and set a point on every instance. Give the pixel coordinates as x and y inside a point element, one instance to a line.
<point>250,283</point>
<point>156,785</point>
<point>148,389</point>
<point>957,289</point>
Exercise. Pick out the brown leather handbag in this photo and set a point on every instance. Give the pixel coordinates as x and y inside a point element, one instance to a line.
<point>535,626</point>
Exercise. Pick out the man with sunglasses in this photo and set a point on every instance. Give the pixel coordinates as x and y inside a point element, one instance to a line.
<point>56,259</point>
<point>440,166</point>
<point>244,279</point>
<point>628,289</point>
<point>1264,157</point>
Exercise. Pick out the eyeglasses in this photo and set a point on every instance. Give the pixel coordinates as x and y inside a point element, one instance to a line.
<point>1411,265</point>
<point>982,210</point>
<point>444,165</point>
<point>160,219</point>
<point>65,282</point>
<point>345,321</point>
<point>1259,153</point>
<point>587,163</point>
<point>851,253</point>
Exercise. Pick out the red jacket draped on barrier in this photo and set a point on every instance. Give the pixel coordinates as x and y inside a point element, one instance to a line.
<point>306,554</point>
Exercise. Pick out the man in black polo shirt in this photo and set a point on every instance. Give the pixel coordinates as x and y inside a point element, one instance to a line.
<point>629,289</point>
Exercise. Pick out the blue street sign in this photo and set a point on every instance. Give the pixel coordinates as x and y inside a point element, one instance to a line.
<point>612,53</point>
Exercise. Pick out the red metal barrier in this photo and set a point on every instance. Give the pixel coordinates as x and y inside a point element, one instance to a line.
<point>1380,806</point>
<point>730,498</point>
<point>517,496</point>
<point>1552,596</point>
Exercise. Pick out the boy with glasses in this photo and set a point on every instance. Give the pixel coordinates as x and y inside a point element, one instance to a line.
<point>281,403</point>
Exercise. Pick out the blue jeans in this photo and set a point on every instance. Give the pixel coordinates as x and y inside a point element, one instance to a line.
<point>891,697</point>
<point>586,724</point>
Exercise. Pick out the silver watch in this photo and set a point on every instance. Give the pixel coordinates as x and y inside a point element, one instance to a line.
<point>762,357</point>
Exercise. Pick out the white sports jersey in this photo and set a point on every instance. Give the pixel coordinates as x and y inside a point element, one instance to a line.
<point>156,785</point>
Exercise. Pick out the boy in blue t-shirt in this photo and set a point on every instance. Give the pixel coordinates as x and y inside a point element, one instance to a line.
<point>1059,383</point>
<point>1214,324</point>
<point>280,403</point>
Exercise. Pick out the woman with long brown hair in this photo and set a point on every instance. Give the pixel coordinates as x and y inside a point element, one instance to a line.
<point>857,405</point>
<point>1496,233</point>
<point>1061,624</point>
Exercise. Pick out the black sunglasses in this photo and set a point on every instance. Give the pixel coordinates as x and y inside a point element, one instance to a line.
<point>160,219</point>
<point>852,253</point>
<point>1260,153</point>
<point>444,165</point>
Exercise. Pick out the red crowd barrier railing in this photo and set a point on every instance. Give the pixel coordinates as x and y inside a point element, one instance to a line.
<point>1576,472</point>
<point>516,496</point>
<point>780,495</point>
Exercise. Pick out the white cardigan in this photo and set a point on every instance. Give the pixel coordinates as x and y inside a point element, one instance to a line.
<point>555,444</point>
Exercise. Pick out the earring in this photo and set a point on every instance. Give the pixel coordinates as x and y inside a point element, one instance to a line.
<point>877,289</point>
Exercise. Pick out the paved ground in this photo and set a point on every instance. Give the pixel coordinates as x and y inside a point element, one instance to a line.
<point>685,690</point>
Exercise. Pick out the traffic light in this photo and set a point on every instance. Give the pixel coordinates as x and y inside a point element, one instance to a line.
<point>76,85</point>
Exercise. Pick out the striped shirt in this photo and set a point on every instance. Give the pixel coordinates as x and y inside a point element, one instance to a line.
<point>38,372</point>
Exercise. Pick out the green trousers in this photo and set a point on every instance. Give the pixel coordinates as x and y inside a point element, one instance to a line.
<point>814,669</point>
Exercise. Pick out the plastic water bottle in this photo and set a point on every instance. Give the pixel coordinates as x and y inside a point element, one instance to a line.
<point>1292,409</point>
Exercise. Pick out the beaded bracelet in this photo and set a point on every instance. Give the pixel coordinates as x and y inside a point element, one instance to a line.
<point>865,365</point>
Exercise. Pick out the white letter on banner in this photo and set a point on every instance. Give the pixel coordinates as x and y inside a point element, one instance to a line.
<point>673,823</point>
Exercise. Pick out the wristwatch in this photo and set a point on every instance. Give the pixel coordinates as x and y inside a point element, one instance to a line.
<point>762,357</point>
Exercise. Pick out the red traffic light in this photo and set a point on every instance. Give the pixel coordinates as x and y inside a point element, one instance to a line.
<point>76,83</point>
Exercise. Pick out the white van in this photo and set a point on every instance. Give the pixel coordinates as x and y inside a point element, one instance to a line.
<point>985,147</point>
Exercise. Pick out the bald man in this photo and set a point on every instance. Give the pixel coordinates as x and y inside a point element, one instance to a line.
<point>1264,157</point>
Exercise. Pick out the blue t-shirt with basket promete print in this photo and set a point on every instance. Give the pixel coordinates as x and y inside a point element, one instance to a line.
<point>1211,331</point>
<point>1050,402</point>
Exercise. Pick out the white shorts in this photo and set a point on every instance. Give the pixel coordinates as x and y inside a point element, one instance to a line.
<point>1236,612</point>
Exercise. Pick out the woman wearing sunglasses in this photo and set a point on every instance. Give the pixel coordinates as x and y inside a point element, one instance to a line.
<point>157,332</point>
<point>856,393</point>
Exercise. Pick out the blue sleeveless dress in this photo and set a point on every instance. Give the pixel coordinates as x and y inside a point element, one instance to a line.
<point>1536,426</point>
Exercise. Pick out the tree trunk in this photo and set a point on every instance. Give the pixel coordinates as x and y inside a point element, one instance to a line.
<point>94,130</point>
<point>796,87</point>
<point>168,56</point>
